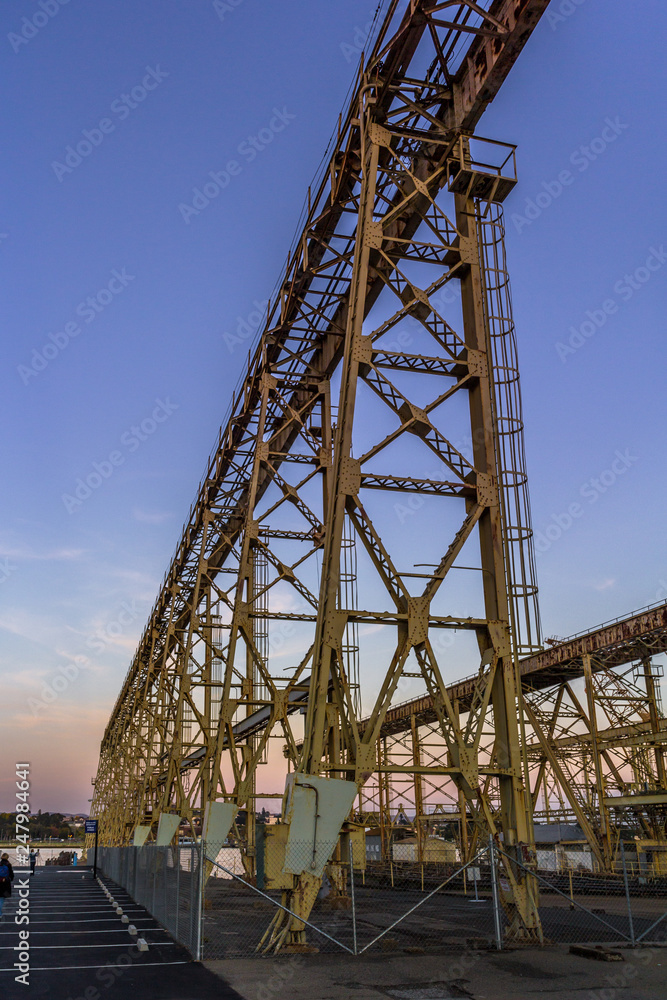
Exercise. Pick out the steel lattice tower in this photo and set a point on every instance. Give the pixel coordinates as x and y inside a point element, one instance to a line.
<point>402,247</point>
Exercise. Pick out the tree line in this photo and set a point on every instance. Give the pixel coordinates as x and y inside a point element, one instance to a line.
<point>42,826</point>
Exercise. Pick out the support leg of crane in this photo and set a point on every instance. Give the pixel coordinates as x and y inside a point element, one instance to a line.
<point>521,906</point>
<point>301,900</point>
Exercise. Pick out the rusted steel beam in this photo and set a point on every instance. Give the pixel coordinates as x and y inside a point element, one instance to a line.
<point>612,645</point>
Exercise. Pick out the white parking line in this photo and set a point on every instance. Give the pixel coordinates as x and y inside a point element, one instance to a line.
<point>95,920</point>
<point>72,947</point>
<point>68,968</point>
<point>99,930</point>
<point>58,913</point>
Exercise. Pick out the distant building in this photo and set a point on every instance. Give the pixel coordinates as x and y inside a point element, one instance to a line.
<point>562,847</point>
<point>435,850</point>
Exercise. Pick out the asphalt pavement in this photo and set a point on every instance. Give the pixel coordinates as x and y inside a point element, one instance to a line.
<point>78,948</point>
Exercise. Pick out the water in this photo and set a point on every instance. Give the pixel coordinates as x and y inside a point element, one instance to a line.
<point>44,853</point>
<point>230,857</point>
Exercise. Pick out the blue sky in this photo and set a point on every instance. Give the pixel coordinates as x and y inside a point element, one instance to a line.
<point>122,309</point>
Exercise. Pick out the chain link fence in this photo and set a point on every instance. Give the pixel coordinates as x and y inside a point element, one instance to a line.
<point>219,906</point>
<point>390,907</point>
<point>167,881</point>
<point>578,905</point>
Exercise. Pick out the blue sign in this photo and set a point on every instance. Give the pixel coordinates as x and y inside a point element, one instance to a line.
<point>91,826</point>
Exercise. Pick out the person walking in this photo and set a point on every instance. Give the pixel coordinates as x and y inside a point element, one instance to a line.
<point>6,879</point>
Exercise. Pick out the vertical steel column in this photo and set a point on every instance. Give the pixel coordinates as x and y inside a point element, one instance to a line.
<point>249,748</point>
<point>626,887</point>
<point>597,761</point>
<point>514,808</point>
<point>354,902</point>
<point>199,850</point>
<point>178,889</point>
<point>421,831</point>
<point>328,624</point>
<point>497,922</point>
<point>652,697</point>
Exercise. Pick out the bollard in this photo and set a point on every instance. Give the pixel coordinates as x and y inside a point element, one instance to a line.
<point>132,929</point>
<point>142,944</point>
<point>125,919</point>
<point>119,911</point>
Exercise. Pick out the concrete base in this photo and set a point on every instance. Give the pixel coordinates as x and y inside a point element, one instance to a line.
<point>523,974</point>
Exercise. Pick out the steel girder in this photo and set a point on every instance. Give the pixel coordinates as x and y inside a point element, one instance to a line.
<point>292,474</point>
<point>596,740</point>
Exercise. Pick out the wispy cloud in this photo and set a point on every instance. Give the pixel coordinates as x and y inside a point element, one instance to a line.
<point>28,553</point>
<point>27,625</point>
<point>605,584</point>
<point>65,716</point>
<point>151,516</point>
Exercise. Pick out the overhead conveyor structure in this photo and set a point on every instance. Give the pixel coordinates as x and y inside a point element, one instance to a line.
<point>386,370</point>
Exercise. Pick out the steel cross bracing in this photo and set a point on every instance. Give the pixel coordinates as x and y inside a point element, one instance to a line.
<point>596,741</point>
<point>406,213</point>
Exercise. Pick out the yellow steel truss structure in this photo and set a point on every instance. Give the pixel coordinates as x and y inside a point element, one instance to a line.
<point>386,370</point>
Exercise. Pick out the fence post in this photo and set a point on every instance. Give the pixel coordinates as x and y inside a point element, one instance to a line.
<point>627,897</point>
<point>354,906</point>
<point>193,896</point>
<point>200,898</point>
<point>496,897</point>
<point>154,856</point>
<point>178,887</point>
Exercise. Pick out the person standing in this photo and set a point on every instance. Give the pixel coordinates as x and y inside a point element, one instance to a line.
<point>6,879</point>
<point>33,862</point>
